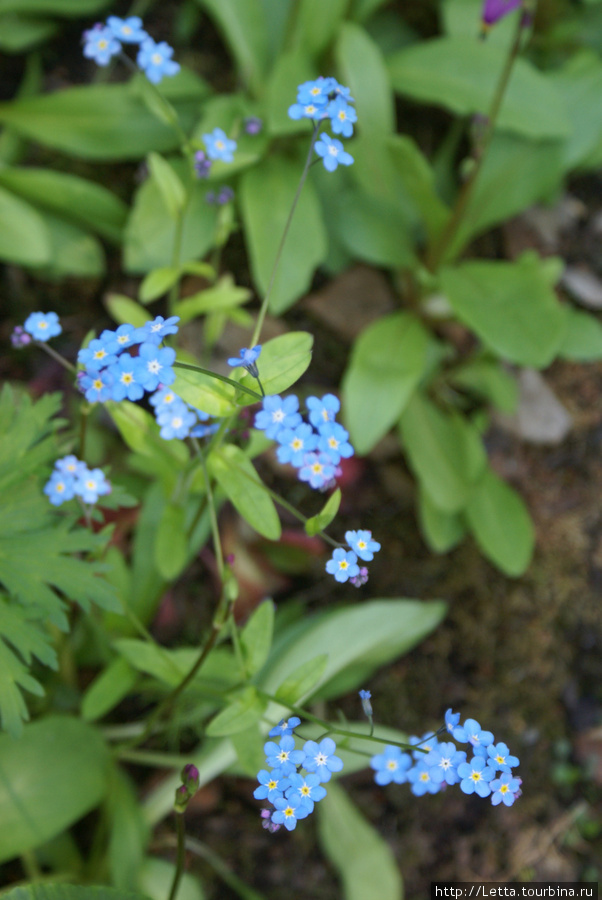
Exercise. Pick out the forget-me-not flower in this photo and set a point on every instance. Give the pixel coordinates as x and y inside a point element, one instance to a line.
<point>288,811</point>
<point>295,443</point>
<point>277,414</point>
<point>343,565</point>
<point>157,362</point>
<point>475,777</point>
<point>443,762</point>
<point>504,789</point>
<point>332,152</point>
<point>361,542</point>
<point>155,60</point>
<point>100,44</point>
<point>317,469</point>
<point>307,788</point>
<point>334,441</point>
<point>324,410</point>
<point>284,726</point>
<point>391,765</point>
<point>42,326</point>
<point>154,332</point>
<point>91,485</point>
<point>320,758</point>
<point>271,785</point>
<point>129,31</point>
<point>219,145</point>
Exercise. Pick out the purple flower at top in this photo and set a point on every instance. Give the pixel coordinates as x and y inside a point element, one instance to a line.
<point>155,60</point>
<point>334,441</point>
<point>494,10</point>
<point>505,789</point>
<point>288,811</point>
<point>475,777</point>
<point>318,470</point>
<point>219,145</point>
<point>247,358</point>
<point>202,164</point>
<point>42,326</point>
<point>154,332</point>
<point>343,565</point>
<point>100,45</point>
<point>324,410</point>
<point>59,488</point>
<point>319,758</point>
<point>284,726</point>
<point>277,414</point>
<point>157,363</point>
<point>91,485</point>
<point>296,443</point>
<point>361,543</point>
<point>391,765</point>
<point>129,31</point>
<point>332,152</point>
<point>271,785</point>
<point>342,116</point>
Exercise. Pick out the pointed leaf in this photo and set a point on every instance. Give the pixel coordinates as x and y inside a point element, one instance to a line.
<point>256,637</point>
<point>239,480</point>
<point>323,519</point>
<point>501,525</point>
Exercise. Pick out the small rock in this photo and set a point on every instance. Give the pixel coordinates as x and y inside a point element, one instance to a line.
<point>540,417</point>
<point>583,286</point>
<point>352,301</point>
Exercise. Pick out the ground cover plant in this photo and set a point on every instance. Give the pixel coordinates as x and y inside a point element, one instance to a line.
<point>132,469</point>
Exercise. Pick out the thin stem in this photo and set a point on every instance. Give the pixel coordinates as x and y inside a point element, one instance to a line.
<point>217,544</point>
<point>439,249</point>
<point>149,758</point>
<point>180,856</point>
<point>57,356</point>
<point>224,378</point>
<point>222,870</point>
<point>266,300</point>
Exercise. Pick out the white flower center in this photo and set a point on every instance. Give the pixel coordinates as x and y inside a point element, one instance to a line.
<point>321,759</point>
<point>154,366</point>
<point>391,765</point>
<point>278,415</point>
<point>332,150</point>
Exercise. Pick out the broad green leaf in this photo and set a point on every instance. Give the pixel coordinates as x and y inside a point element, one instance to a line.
<point>516,173</point>
<point>156,879</point>
<point>444,452</point>
<point>157,282</point>
<point>249,751</point>
<point>583,339</point>
<point>314,31</point>
<point>488,380</point>
<point>417,176</point>
<point>126,311</point>
<point>579,83</point>
<point>323,519</point>
<point>464,18</point>
<point>461,74</point>
<point>373,231</point>
<point>24,237</point>
<point>266,196</point>
<point>108,689</point>
<point>171,544</point>
<point>243,25</point>
<point>441,530</point>
<point>18,34</point>
<point>204,392</point>
<point>128,832</point>
<point>41,891</point>
<point>103,121</point>
<point>69,196</point>
<point>387,362</point>
<point>357,640</point>
<point>256,637</point>
<point>511,306</point>
<point>170,187</point>
<point>501,525</point>
<point>292,68</point>
<point>302,680</point>
<point>238,478</point>
<point>242,712</point>
<point>219,671</point>
<point>364,9</point>
<point>49,778</point>
<point>53,7</point>
<point>283,361</point>
<point>363,69</point>
<point>140,432</point>
<point>73,251</point>
<point>363,860</point>
<point>217,298</point>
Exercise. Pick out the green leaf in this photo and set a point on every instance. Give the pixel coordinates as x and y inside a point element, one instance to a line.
<point>292,68</point>
<point>314,31</point>
<point>103,121</point>
<point>302,680</point>
<point>364,862</point>
<point>512,307</point>
<point>24,237</point>
<point>43,891</point>
<point>170,187</point>
<point>373,231</point>
<point>108,689</point>
<point>246,709</point>
<point>156,879</point>
<point>488,380</point>
<point>414,170</point>
<point>20,34</point>
<point>578,82</point>
<point>49,778</point>
<point>244,27</point>
<point>323,519</point>
<point>266,197</point>
<point>72,250</point>
<point>256,637</point>
<point>69,196</point>
<point>128,832</point>
<point>387,362</point>
<point>53,7</point>
<point>239,480</point>
<point>461,74</point>
<point>171,544</point>
<point>218,673</point>
<point>204,392</point>
<point>126,311</point>
<point>217,298</point>
<point>444,452</point>
<point>157,283</point>
<point>363,70</point>
<point>501,525</point>
<point>22,637</point>
<point>583,339</point>
<point>357,640</point>
<point>442,531</point>
<point>141,433</point>
<point>283,361</point>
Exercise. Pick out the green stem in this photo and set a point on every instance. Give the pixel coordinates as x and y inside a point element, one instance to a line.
<point>149,758</point>
<point>57,356</point>
<point>224,378</point>
<point>217,544</point>
<point>222,870</point>
<point>266,300</point>
<point>180,856</point>
<point>438,250</point>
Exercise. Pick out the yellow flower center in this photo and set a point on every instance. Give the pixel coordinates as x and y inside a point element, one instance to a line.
<point>297,444</point>
<point>156,59</point>
<point>103,44</point>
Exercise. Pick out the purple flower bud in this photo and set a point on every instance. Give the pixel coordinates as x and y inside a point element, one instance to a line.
<point>202,164</point>
<point>181,799</point>
<point>190,776</point>
<point>19,338</point>
<point>252,125</point>
<point>360,579</point>
<point>494,10</point>
<point>225,194</point>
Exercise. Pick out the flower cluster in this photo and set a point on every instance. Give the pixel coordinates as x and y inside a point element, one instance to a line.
<point>325,98</point>
<point>438,764</point>
<point>102,42</point>
<point>39,326</point>
<point>217,146</point>
<point>316,447</point>
<point>72,478</point>
<point>343,564</point>
<point>293,784</point>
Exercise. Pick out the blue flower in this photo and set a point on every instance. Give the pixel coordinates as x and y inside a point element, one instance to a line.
<point>443,762</point>
<point>391,765</point>
<point>361,543</point>
<point>247,358</point>
<point>317,91</point>
<point>307,788</point>
<point>92,484</point>
<point>295,444</point>
<point>475,776</point>
<point>365,697</point>
<point>42,326</point>
<point>129,31</point>
<point>203,431</point>
<point>128,377</point>
<point>125,336</point>
<point>505,789</point>
<point>422,782</point>
<point>155,60</point>
<point>70,465</point>
<point>451,720</point>
<point>288,811</point>
<point>283,754</point>
<point>334,441</point>
<point>284,726</point>
<point>427,742</point>
<point>317,469</point>
<point>332,152</point>
<point>308,110</point>
<point>319,758</point>
<point>100,44</point>
<point>271,785</point>
<point>499,757</point>
<point>343,565</point>
<point>97,386</point>
<point>176,421</point>
<point>98,354</point>
<point>342,116</point>
<point>154,332</point>
<point>59,488</point>
<point>219,145</point>
<point>471,733</point>
<point>324,410</point>
<point>157,363</point>
<point>164,399</point>
<point>278,414</point>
